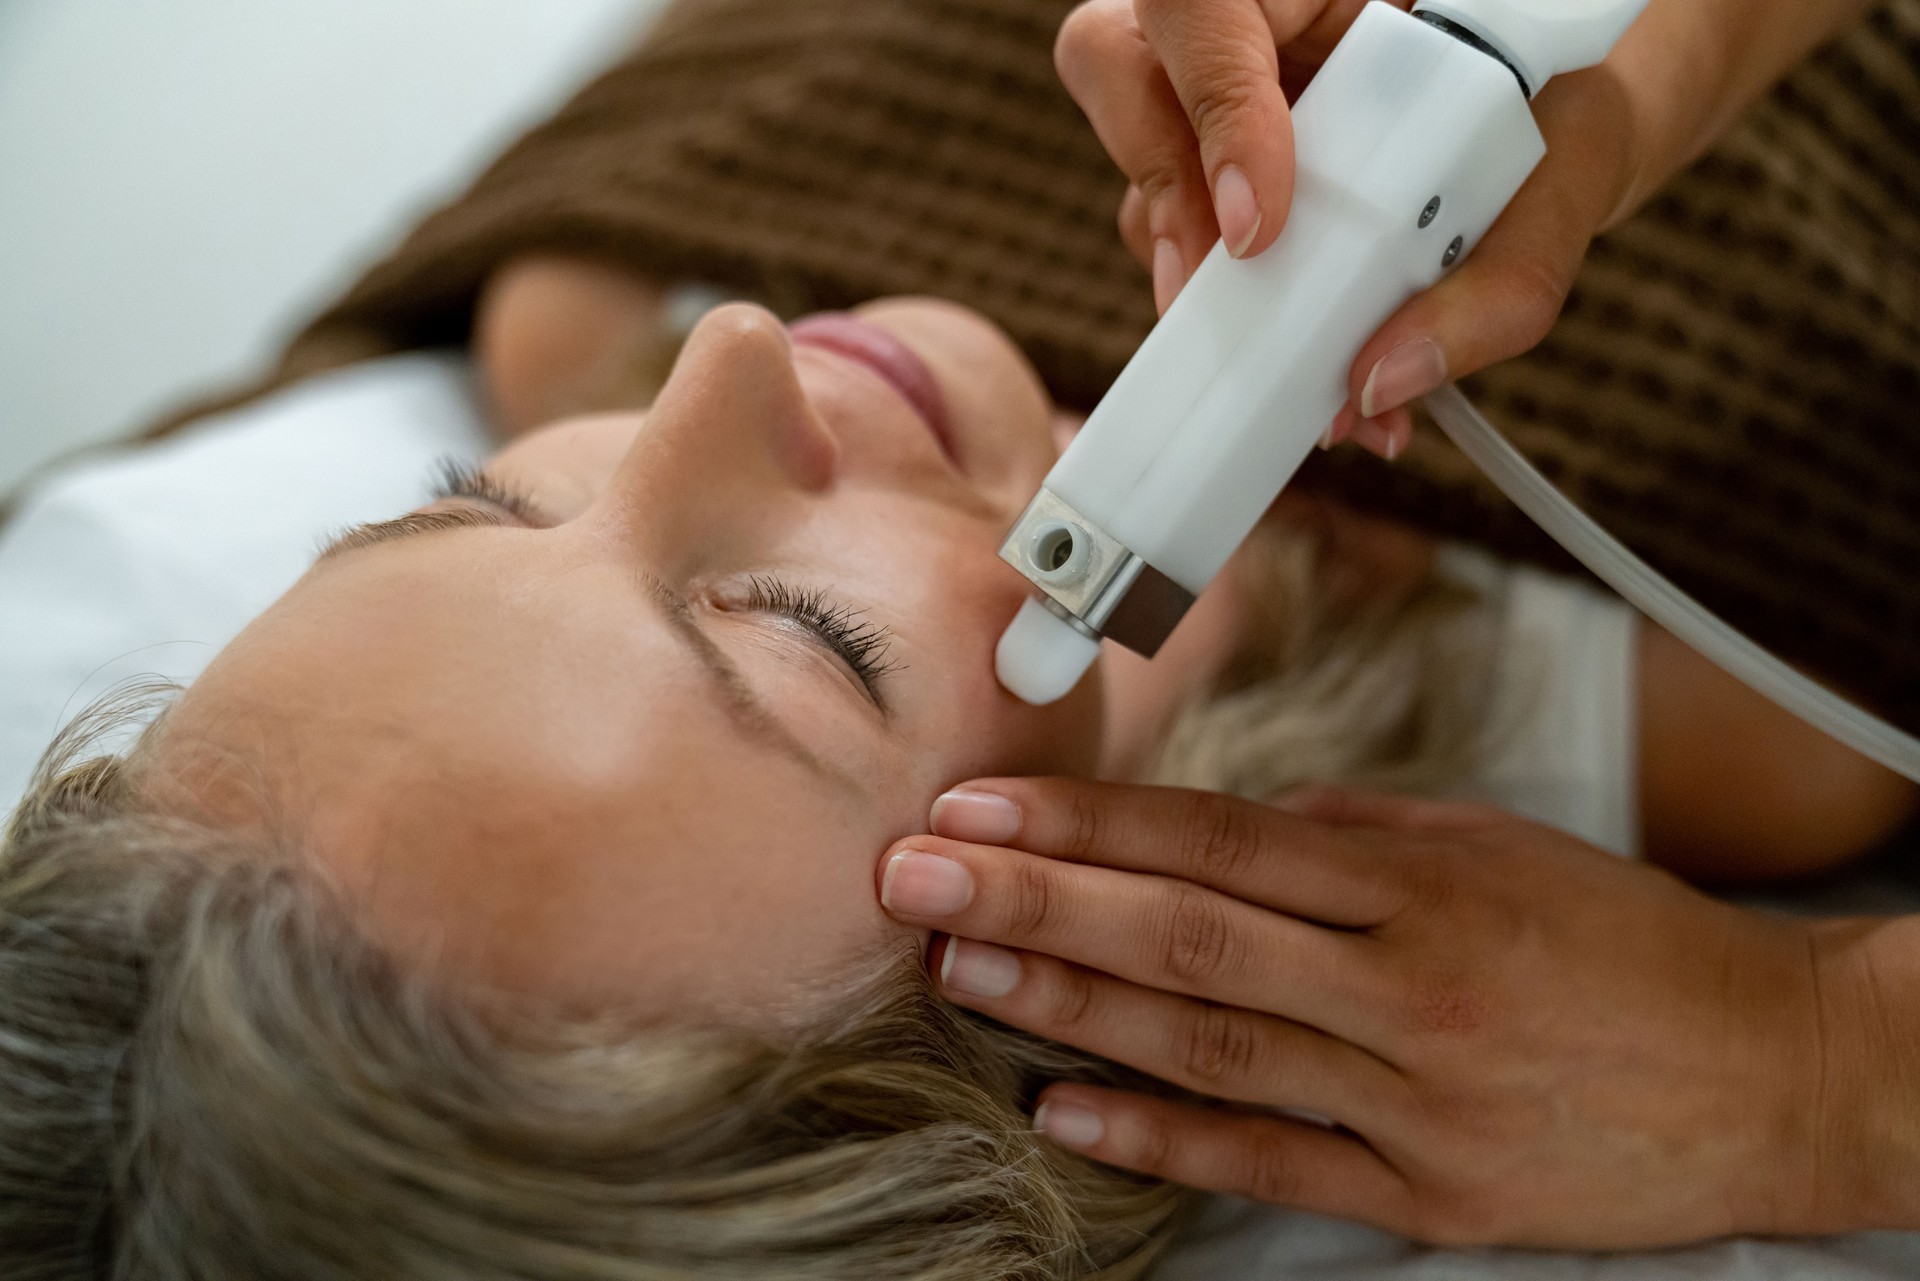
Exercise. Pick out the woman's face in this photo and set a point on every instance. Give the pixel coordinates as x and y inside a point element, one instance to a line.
<point>631,720</point>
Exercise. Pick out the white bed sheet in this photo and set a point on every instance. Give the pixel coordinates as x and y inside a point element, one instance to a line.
<point>1239,1241</point>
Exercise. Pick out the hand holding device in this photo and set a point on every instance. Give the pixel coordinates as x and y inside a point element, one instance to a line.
<point>1410,141</point>
<point>1187,97</point>
<point>1224,399</point>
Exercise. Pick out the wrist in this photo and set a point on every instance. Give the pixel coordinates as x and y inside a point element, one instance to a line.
<point>1864,1163</point>
<point>1690,68</point>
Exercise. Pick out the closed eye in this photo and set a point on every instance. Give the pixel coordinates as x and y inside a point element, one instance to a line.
<point>485,502</point>
<point>861,645</point>
<point>463,480</point>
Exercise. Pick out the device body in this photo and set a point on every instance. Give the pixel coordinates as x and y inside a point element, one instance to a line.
<point>1409,142</point>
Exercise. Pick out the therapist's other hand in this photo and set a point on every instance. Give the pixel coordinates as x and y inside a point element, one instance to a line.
<point>1521,1039</point>
<point>1190,97</point>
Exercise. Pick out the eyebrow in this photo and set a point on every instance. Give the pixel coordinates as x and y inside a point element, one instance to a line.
<point>735,695</point>
<point>466,516</point>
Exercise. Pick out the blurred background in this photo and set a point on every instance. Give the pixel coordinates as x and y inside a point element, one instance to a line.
<point>183,181</point>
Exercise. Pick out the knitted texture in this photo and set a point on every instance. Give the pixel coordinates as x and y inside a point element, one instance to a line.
<point>1731,390</point>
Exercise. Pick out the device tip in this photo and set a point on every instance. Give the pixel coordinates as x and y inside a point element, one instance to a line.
<point>1040,658</point>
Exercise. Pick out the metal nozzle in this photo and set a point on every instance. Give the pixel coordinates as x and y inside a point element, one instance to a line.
<point>1091,580</point>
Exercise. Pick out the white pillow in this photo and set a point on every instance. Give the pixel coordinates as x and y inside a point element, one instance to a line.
<point>146,562</point>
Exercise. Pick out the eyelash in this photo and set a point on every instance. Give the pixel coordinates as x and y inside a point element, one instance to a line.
<point>862,645</point>
<point>463,480</point>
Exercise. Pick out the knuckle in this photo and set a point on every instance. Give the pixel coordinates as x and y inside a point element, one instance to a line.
<point>1032,910</point>
<point>1222,841</point>
<point>1160,172</point>
<point>1272,1174</point>
<point>1433,888</point>
<point>1093,40</point>
<point>1219,100</point>
<point>1197,944</point>
<point>1152,1146</point>
<point>1220,1047</point>
<point>1070,1000</point>
<point>1445,1006</point>
<point>1082,838</point>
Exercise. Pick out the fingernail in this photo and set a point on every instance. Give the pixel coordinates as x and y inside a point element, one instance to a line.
<point>1339,429</point>
<point>1373,437</point>
<point>979,969</point>
<point>980,817</point>
<point>1169,273</point>
<point>1237,210</point>
<point>1407,372</point>
<point>1069,1126</point>
<point>1399,436</point>
<point>921,884</point>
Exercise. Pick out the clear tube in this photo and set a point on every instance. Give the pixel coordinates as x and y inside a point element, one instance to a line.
<point>1659,599</point>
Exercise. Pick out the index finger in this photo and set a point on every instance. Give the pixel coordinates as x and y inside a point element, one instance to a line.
<point>1228,62</point>
<point>1223,61</point>
<point>1349,877</point>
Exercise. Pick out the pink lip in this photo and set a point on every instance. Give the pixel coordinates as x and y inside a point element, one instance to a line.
<point>894,361</point>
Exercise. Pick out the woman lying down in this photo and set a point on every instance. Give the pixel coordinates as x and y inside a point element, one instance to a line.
<point>501,903</point>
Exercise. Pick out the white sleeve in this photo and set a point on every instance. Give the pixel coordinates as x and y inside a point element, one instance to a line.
<point>1563,734</point>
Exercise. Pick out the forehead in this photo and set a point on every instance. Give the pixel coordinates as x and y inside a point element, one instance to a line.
<point>543,796</point>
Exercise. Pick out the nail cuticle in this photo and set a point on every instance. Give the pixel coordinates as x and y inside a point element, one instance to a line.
<point>983,818</point>
<point>1070,1127</point>
<point>917,883</point>
<point>979,969</point>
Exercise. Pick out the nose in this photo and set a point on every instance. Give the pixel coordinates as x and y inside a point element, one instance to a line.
<point>732,416</point>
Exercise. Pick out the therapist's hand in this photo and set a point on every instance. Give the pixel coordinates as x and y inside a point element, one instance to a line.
<point>1522,1039</point>
<point>1190,98</point>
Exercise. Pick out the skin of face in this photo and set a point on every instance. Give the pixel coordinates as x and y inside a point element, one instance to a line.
<point>500,735</point>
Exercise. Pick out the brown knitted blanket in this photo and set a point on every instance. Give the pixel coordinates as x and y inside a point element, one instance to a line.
<point>1732,390</point>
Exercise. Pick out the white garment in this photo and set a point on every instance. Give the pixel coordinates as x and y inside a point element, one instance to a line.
<point>1563,745</point>
<point>149,561</point>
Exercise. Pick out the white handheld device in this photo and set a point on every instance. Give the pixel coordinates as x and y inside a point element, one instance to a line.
<point>1408,144</point>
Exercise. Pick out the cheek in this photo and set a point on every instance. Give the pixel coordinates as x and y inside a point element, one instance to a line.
<point>1060,738</point>
<point>935,576</point>
<point>1006,735</point>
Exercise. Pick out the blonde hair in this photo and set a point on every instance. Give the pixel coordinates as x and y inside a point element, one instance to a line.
<point>1390,691</point>
<point>207,1071</point>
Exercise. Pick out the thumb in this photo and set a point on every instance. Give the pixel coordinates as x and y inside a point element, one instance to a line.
<point>1505,297</point>
<point>1501,302</point>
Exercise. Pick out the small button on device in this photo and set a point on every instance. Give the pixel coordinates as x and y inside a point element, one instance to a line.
<point>1431,212</point>
<point>1452,255</point>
